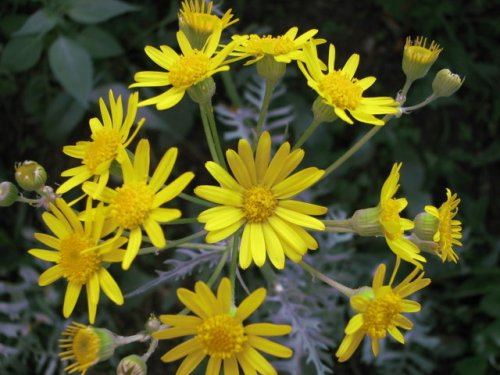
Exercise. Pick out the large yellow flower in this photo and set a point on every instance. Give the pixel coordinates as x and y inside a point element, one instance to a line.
<point>283,48</point>
<point>81,256</point>
<point>393,225</point>
<point>137,203</point>
<point>448,230</point>
<point>219,333</point>
<point>258,199</point>
<point>380,310</point>
<point>110,137</point>
<point>341,91</point>
<point>182,71</point>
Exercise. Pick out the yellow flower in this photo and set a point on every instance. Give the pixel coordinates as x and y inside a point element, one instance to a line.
<point>86,346</point>
<point>81,257</point>
<point>182,71</point>
<point>380,311</point>
<point>418,58</point>
<point>137,203</point>
<point>283,48</point>
<point>448,231</point>
<point>198,21</point>
<point>341,91</point>
<point>219,332</point>
<point>110,137</point>
<point>393,225</point>
<point>258,199</point>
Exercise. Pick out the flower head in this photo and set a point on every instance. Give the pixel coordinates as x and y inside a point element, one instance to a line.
<point>197,20</point>
<point>380,310</point>
<point>136,205</point>
<point>341,91</point>
<point>446,83</point>
<point>448,230</point>
<point>385,220</point>
<point>257,197</point>
<point>86,346</point>
<point>418,57</point>
<point>81,256</point>
<point>182,71</point>
<point>110,137</point>
<point>218,332</point>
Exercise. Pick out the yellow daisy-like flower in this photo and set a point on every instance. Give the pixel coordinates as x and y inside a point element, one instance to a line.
<point>86,346</point>
<point>110,137</point>
<point>258,199</point>
<point>380,310</point>
<point>136,205</point>
<point>393,225</point>
<point>341,91</point>
<point>198,21</point>
<point>81,256</point>
<point>418,57</point>
<point>182,71</point>
<point>448,230</point>
<point>283,48</point>
<point>219,333</point>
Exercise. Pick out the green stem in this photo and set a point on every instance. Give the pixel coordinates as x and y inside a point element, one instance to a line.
<point>218,269</point>
<point>171,244</point>
<point>230,89</point>
<point>187,220</point>
<point>234,263</point>
<point>193,245</point>
<point>419,105</point>
<point>334,284</point>
<point>268,94</point>
<point>346,223</point>
<point>309,130</point>
<point>339,230</point>
<point>207,114</point>
<point>405,89</point>
<point>124,340</point>
<point>196,200</point>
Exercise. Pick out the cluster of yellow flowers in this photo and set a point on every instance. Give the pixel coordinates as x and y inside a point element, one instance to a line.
<point>254,206</point>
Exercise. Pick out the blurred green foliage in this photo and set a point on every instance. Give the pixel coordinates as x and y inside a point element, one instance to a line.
<point>58,56</point>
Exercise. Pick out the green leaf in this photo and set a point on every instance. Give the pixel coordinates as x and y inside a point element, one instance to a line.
<point>72,66</point>
<point>21,53</point>
<point>38,23</point>
<point>99,43</point>
<point>95,11</point>
<point>62,115</point>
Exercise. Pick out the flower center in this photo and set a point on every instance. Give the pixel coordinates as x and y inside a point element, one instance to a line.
<point>279,45</point>
<point>188,70</point>
<point>132,204</point>
<point>339,90</point>
<point>221,336</point>
<point>86,347</point>
<point>380,314</point>
<point>258,203</point>
<point>390,219</point>
<point>77,266</point>
<point>104,147</point>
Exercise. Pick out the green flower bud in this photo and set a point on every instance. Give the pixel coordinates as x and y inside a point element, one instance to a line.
<point>446,83</point>
<point>132,365</point>
<point>323,112</point>
<point>8,194</point>
<point>107,343</point>
<point>30,175</point>
<point>203,91</point>
<point>426,225</point>
<point>270,69</point>
<point>365,222</point>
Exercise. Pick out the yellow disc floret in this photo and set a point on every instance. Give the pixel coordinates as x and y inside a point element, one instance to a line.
<point>188,70</point>
<point>270,45</point>
<point>341,91</point>
<point>259,203</point>
<point>380,314</point>
<point>78,266</point>
<point>104,147</point>
<point>132,204</point>
<point>221,336</point>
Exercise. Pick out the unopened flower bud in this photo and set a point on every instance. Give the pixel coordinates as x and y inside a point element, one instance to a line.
<point>152,325</point>
<point>203,91</point>
<point>8,194</point>
<point>270,69</point>
<point>365,222</point>
<point>30,175</point>
<point>426,226</point>
<point>418,58</point>
<point>132,365</point>
<point>446,83</point>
